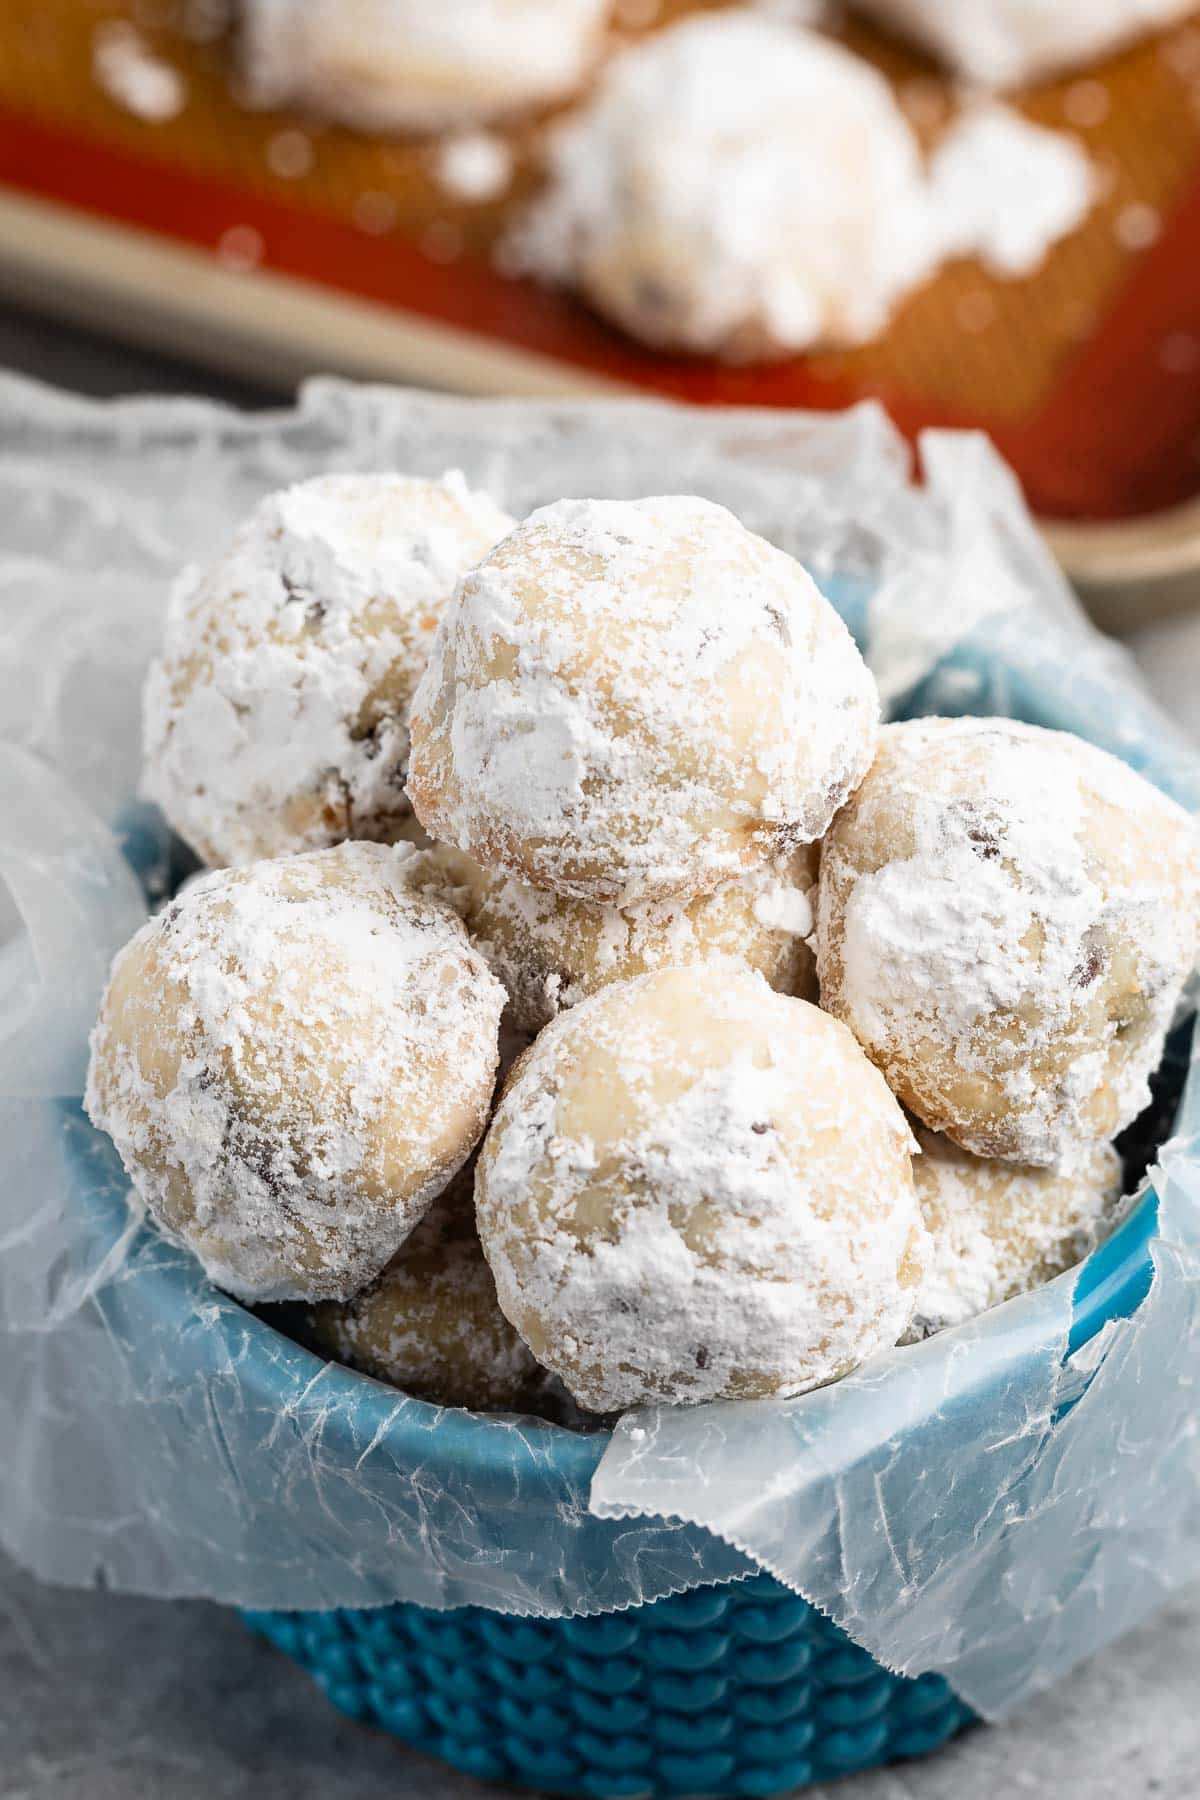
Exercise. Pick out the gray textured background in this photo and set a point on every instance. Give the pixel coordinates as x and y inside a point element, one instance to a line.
<point>108,1698</point>
<point>103,1697</point>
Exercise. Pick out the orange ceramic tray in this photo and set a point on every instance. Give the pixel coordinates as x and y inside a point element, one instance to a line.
<point>1087,375</point>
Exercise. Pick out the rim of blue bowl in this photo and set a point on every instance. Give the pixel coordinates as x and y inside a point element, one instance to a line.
<point>1109,1284</point>
<point>171,1287</point>
<point>1115,1278</point>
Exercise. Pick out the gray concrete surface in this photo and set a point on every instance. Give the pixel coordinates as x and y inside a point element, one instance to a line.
<point>104,1697</point>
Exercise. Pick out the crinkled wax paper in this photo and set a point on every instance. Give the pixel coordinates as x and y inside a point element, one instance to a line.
<point>945,1505</point>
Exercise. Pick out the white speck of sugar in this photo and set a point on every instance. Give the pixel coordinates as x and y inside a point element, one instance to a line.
<point>133,76</point>
<point>375,212</point>
<point>976,311</point>
<point>1137,226</point>
<point>240,248</point>
<point>1086,103</point>
<point>442,241</point>
<point>476,165</point>
<point>290,154</point>
<point>1179,353</point>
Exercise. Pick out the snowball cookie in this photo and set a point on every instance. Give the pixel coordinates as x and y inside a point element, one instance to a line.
<point>431,1324</point>
<point>277,717</point>
<point>551,952</point>
<point>735,185</point>
<point>1000,1229</point>
<point>417,65</point>
<point>697,1189</point>
<point>632,700</point>
<point>1002,43</point>
<point>293,1059</point>
<point>1006,917</point>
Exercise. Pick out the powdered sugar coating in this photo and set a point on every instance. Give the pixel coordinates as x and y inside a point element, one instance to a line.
<point>431,1324</point>
<point>635,700</point>
<point>1006,918</point>
<point>1005,190</point>
<point>550,952</point>
<point>1000,1229</point>
<point>293,1059</point>
<point>694,1189</point>
<point>417,65</point>
<point>277,716</point>
<point>735,185</point>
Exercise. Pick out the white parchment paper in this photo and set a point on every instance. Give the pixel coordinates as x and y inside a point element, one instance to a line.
<point>947,1505</point>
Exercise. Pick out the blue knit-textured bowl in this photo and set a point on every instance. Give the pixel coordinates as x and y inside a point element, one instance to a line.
<point>737,1689</point>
